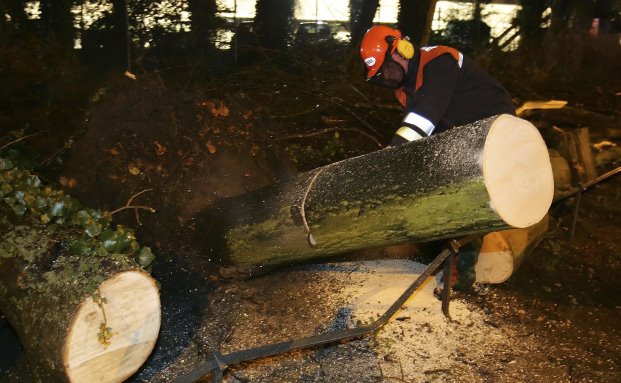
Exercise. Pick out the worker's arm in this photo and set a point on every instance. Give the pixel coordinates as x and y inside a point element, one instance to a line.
<point>427,106</point>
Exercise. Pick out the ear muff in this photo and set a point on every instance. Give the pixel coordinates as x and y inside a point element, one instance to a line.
<point>405,49</point>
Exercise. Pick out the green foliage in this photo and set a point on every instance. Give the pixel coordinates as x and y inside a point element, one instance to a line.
<point>25,194</point>
<point>21,242</point>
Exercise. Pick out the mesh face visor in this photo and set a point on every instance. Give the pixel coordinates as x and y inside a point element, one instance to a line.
<point>391,75</point>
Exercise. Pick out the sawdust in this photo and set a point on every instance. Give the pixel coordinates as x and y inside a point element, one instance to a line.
<point>419,342</point>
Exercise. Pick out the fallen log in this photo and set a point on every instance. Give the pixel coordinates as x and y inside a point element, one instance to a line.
<point>491,175</point>
<point>83,308</point>
<point>80,319</point>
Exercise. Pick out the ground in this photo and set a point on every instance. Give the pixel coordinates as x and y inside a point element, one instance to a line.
<point>555,320</point>
<point>176,150</point>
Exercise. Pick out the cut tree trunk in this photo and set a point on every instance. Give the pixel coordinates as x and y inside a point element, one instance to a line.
<point>79,318</point>
<point>490,175</point>
<point>502,252</point>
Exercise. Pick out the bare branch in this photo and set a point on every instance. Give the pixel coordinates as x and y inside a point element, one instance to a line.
<point>329,130</point>
<point>18,140</point>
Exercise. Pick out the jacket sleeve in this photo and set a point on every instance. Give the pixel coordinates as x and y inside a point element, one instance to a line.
<point>427,106</point>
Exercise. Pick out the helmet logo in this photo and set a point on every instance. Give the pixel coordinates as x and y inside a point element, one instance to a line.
<point>369,61</point>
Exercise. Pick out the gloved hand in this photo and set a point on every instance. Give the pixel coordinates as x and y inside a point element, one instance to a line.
<point>406,134</point>
<point>397,140</point>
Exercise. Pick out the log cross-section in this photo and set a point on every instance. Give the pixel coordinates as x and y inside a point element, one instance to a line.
<point>79,318</point>
<point>489,175</point>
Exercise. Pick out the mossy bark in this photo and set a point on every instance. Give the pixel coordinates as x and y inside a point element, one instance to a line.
<point>42,284</point>
<point>425,190</point>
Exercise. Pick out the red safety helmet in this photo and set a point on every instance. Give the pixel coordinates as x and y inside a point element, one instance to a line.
<point>375,47</point>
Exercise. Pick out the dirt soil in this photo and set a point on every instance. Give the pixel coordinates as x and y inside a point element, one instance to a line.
<point>555,320</point>
<point>150,145</point>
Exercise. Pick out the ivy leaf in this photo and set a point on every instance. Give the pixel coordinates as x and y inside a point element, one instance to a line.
<point>58,209</point>
<point>5,164</point>
<point>145,257</point>
<point>93,229</point>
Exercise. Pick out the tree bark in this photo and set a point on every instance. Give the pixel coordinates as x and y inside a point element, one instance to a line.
<point>490,175</point>
<point>79,318</point>
<point>361,17</point>
<point>203,25</point>
<point>57,22</point>
<point>272,23</point>
<point>530,21</point>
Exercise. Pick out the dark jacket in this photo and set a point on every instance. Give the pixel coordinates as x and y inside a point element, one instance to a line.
<point>444,89</point>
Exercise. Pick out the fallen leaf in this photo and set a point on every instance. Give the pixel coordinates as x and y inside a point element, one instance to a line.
<point>224,111</point>
<point>114,152</point>
<point>219,110</point>
<point>67,182</point>
<point>254,150</point>
<point>160,149</point>
<point>207,104</point>
<point>133,169</point>
<point>210,147</point>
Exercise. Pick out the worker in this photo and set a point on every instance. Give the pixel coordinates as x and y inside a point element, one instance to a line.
<point>439,88</point>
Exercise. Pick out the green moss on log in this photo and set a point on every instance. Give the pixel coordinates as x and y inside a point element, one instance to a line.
<point>357,225</point>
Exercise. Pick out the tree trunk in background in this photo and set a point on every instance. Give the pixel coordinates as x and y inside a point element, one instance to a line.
<point>476,32</point>
<point>561,12</point>
<point>117,42</point>
<point>485,176</point>
<point>273,22</point>
<point>203,20</point>
<point>415,18</point>
<point>15,10</point>
<point>79,318</point>
<point>572,15</point>
<point>57,22</point>
<point>529,19</point>
<point>361,15</point>
<point>109,47</point>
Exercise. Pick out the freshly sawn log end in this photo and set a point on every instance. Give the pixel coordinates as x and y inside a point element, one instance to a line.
<point>517,171</point>
<point>128,311</point>
<point>502,252</point>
